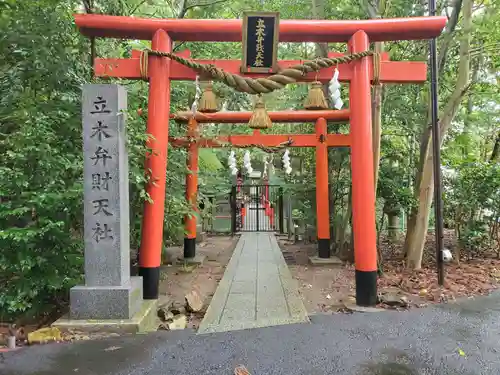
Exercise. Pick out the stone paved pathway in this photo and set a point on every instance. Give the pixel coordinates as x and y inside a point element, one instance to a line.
<point>257,289</point>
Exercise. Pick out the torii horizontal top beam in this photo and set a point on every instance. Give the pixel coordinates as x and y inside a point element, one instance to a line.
<point>390,71</point>
<point>230,117</point>
<point>230,30</point>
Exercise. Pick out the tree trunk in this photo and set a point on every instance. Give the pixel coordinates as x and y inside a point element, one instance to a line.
<point>376,9</point>
<point>345,249</point>
<point>419,220</point>
<point>377,122</point>
<point>496,149</point>
<point>318,12</point>
<point>470,107</point>
<point>89,9</point>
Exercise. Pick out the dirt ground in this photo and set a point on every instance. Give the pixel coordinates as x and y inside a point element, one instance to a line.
<point>323,288</point>
<point>326,289</point>
<point>178,280</point>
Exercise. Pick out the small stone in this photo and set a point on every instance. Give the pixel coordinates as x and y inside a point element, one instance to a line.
<point>164,301</point>
<point>80,337</point>
<point>394,300</point>
<point>495,274</point>
<point>11,342</point>
<point>164,314</point>
<point>178,322</point>
<point>351,299</point>
<point>422,293</point>
<point>354,307</point>
<point>193,301</point>
<point>187,268</point>
<point>163,327</point>
<point>44,335</point>
<point>178,308</point>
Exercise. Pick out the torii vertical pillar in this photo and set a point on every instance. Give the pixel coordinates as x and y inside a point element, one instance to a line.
<point>191,192</point>
<point>156,164</point>
<point>322,206</point>
<point>363,194</point>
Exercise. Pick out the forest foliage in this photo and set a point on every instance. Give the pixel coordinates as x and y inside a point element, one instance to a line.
<point>44,62</point>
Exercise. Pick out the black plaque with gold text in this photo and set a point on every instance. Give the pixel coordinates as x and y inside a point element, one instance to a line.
<point>260,42</point>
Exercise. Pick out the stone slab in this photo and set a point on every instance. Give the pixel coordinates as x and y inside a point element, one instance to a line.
<point>243,287</point>
<point>257,289</point>
<point>105,185</point>
<point>144,320</point>
<point>196,261</point>
<point>245,276</point>
<point>317,261</point>
<point>101,302</point>
<point>364,309</point>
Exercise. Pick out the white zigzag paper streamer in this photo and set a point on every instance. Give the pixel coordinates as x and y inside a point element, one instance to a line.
<point>334,88</point>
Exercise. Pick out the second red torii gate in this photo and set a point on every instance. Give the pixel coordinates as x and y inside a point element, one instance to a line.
<point>358,34</point>
<point>321,140</point>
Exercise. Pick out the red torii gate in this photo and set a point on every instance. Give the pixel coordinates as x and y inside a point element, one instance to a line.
<point>321,140</point>
<point>357,33</point>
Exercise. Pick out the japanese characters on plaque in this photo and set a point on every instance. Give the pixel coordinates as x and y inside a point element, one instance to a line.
<point>106,204</point>
<point>102,229</point>
<point>260,42</point>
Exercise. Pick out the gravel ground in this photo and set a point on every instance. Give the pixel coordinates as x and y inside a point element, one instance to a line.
<point>453,339</point>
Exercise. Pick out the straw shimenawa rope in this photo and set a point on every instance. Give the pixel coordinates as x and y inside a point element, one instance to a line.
<point>223,144</point>
<point>249,85</point>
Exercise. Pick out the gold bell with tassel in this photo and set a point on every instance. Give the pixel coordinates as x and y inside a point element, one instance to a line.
<point>208,101</point>
<point>260,119</point>
<point>316,98</point>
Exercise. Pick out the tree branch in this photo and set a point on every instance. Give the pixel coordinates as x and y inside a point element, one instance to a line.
<point>131,12</point>
<point>184,9</point>
<point>448,35</point>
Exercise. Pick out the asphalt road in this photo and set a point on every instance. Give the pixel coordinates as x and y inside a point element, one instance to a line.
<point>417,342</point>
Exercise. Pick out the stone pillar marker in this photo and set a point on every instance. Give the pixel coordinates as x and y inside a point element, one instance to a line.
<point>109,291</point>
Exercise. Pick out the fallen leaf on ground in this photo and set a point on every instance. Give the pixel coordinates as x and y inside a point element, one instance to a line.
<point>44,335</point>
<point>193,301</point>
<point>241,370</point>
<point>112,348</point>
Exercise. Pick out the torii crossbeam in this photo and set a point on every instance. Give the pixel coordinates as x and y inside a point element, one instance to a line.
<point>357,33</point>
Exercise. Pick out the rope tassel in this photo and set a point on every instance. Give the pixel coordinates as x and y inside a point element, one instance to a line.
<point>260,119</point>
<point>316,98</point>
<point>208,101</point>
